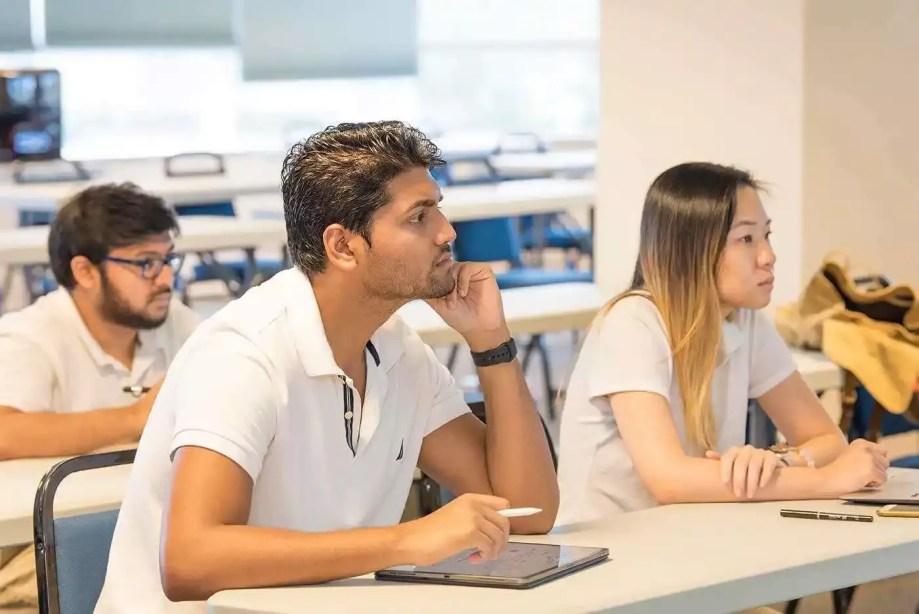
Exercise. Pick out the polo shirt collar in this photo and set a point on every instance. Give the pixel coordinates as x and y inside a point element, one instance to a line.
<point>731,339</point>
<point>383,350</point>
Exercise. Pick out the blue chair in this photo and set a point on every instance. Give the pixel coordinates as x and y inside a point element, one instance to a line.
<point>497,240</point>
<point>871,421</point>
<point>38,277</point>
<point>71,553</point>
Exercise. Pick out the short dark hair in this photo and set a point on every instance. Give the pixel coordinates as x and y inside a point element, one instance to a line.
<point>101,218</point>
<point>339,176</point>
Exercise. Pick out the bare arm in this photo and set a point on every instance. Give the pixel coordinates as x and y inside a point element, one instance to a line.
<point>674,477</point>
<point>509,458</point>
<point>40,434</point>
<point>206,545</point>
<point>798,414</point>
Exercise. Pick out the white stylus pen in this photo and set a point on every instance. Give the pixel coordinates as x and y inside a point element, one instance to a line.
<point>517,512</point>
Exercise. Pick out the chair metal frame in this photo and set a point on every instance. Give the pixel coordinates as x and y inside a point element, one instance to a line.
<point>43,520</point>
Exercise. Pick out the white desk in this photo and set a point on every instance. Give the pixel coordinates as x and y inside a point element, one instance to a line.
<point>80,493</point>
<point>678,558</point>
<point>19,246</point>
<point>477,202</point>
<point>560,307</point>
<point>548,163</point>
<point>245,174</point>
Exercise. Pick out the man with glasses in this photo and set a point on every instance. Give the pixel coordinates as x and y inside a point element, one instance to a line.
<point>79,368</point>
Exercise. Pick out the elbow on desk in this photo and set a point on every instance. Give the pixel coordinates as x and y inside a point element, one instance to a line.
<point>665,489</point>
<point>181,577</point>
<point>539,524</point>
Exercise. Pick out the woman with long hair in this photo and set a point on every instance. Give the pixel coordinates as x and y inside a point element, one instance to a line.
<point>656,408</point>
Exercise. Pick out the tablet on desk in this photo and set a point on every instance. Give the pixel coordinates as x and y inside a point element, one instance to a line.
<point>521,565</point>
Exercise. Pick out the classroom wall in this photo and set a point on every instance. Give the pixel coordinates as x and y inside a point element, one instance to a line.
<point>712,80</point>
<point>861,127</point>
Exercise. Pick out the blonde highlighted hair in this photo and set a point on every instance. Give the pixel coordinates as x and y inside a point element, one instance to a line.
<point>687,214</point>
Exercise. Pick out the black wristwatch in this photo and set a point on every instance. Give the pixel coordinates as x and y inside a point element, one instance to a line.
<point>505,352</point>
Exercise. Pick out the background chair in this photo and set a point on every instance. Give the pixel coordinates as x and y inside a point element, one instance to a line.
<point>71,553</point>
<point>39,279</point>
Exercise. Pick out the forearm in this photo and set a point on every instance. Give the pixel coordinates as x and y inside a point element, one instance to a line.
<point>517,453</point>
<point>200,563</point>
<point>38,434</point>
<point>822,449</point>
<point>696,480</point>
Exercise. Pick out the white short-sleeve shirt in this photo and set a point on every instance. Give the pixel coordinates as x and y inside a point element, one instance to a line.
<point>52,363</point>
<point>627,351</point>
<point>258,384</point>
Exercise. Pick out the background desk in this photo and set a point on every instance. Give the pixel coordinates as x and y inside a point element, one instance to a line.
<point>560,307</point>
<point>677,558</point>
<point>29,245</point>
<point>83,492</point>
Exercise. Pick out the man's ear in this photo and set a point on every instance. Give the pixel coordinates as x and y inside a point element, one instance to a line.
<point>85,273</point>
<point>342,246</point>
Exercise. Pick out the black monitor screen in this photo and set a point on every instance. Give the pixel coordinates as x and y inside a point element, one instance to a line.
<point>30,115</point>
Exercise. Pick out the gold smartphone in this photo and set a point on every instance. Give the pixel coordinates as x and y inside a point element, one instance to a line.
<point>900,511</point>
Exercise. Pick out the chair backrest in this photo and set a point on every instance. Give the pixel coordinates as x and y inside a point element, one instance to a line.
<point>491,240</point>
<point>71,553</point>
<point>36,217</point>
<point>223,208</point>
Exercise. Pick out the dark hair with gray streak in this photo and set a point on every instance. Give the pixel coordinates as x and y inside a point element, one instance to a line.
<point>339,176</point>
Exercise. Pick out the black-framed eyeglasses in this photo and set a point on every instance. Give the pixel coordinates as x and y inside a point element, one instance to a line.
<point>150,268</point>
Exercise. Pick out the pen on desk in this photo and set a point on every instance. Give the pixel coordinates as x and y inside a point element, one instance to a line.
<point>136,390</point>
<point>815,515</point>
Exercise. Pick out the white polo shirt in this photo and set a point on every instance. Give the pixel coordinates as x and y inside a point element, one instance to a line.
<point>628,351</point>
<point>50,361</point>
<point>258,384</point>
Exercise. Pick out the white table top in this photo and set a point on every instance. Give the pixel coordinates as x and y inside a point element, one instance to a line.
<point>678,558</point>
<point>82,492</point>
<point>204,233</point>
<point>245,174</point>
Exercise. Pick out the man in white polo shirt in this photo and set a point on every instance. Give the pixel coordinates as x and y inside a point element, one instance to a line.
<point>282,446</point>
<point>76,364</point>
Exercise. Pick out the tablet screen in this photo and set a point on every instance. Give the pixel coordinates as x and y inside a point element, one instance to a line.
<point>519,561</point>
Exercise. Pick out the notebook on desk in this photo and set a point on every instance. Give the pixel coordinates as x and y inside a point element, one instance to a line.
<point>902,487</point>
<point>521,565</point>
